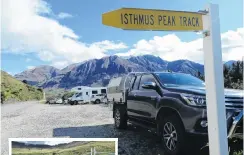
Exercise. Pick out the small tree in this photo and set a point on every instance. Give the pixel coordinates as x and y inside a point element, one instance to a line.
<point>67,95</point>
<point>25,81</point>
<point>2,97</point>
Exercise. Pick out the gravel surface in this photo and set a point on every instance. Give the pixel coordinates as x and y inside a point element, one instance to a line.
<point>35,120</point>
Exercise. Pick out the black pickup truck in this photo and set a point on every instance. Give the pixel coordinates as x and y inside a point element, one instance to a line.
<point>174,105</point>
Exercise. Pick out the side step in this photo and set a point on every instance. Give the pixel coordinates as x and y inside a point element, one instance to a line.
<point>144,125</point>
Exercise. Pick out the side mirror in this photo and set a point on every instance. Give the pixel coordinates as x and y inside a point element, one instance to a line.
<point>149,85</point>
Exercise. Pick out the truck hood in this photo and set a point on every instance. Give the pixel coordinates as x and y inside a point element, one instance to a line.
<point>202,91</point>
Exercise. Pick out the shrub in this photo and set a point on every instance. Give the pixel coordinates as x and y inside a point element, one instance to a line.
<point>67,95</point>
<point>25,81</point>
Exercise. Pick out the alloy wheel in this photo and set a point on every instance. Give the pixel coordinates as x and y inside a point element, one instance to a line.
<point>170,136</point>
<point>117,117</point>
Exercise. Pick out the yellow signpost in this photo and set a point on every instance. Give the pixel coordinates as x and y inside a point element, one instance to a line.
<point>147,19</point>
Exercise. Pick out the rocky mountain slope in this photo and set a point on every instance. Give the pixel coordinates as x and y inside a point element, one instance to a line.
<point>38,75</point>
<point>98,72</point>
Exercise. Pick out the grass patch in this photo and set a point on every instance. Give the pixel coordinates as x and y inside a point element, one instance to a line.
<point>15,90</point>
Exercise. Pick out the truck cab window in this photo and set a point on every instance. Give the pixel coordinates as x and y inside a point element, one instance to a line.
<point>94,92</point>
<point>132,82</point>
<point>136,83</point>
<point>146,78</point>
<point>103,91</point>
<point>79,94</point>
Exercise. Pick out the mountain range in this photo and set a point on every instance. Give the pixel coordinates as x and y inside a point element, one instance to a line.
<point>98,72</point>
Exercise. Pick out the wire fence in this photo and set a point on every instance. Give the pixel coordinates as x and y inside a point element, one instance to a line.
<point>94,152</point>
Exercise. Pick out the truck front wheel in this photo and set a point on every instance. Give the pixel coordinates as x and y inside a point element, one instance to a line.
<point>97,101</point>
<point>120,119</point>
<point>172,135</point>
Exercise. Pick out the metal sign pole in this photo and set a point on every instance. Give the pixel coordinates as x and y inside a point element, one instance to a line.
<point>213,66</point>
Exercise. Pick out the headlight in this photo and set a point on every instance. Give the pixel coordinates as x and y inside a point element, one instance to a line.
<point>194,100</point>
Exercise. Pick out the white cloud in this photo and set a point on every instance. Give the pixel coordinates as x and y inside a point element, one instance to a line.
<point>25,30</point>
<point>30,67</point>
<point>170,47</point>
<point>109,45</point>
<point>60,64</point>
<point>27,60</point>
<point>63,15</point>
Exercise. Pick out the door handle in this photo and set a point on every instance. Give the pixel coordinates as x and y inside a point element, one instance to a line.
<point>153,97</point>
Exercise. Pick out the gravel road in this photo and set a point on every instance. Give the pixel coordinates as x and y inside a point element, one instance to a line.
<point>35,120</point>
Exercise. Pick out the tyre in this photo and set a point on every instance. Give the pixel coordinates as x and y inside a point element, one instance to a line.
<point>97,101</point>
<point>71,102</point>
<point>172,134</point>
<point>120,118</point>
<point>76,102</point>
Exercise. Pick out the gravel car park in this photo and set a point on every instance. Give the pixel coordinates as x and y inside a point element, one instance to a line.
<point>35,120</point>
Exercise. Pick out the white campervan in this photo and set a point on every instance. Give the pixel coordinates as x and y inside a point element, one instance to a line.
<point>88,94</point>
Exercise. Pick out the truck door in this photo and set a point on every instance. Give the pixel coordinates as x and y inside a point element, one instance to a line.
<point>145,100</point>
<point>78,97</point>
<point>132,104</point>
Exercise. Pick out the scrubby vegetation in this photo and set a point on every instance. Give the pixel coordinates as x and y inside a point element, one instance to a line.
<point>54,93</point>
<point>238,153</point>
<point>14,90</point>
<point>233,75</point>
<point>67,95</point>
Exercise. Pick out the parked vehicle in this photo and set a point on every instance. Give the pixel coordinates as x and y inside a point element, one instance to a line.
<point>173,105</point>
<point>98,98</point>
<point>88,94</point>
<point>116,88</point>
<point>54,101</point>
<point>67,96</point>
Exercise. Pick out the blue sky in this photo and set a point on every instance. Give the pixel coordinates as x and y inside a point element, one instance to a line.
<point>31,45</point>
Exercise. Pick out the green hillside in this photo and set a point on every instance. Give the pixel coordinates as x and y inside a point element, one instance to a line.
<point>82,149</point>
<point>14,90</point>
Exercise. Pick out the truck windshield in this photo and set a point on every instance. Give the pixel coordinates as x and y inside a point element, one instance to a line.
<point>179,79</point>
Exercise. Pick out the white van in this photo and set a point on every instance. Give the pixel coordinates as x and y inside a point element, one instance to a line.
<point>89,94</point>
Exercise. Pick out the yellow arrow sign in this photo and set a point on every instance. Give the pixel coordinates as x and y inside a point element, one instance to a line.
<point>146,19</point>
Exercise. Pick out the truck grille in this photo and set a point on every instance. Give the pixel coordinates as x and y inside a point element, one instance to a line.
<point>234,102</point>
